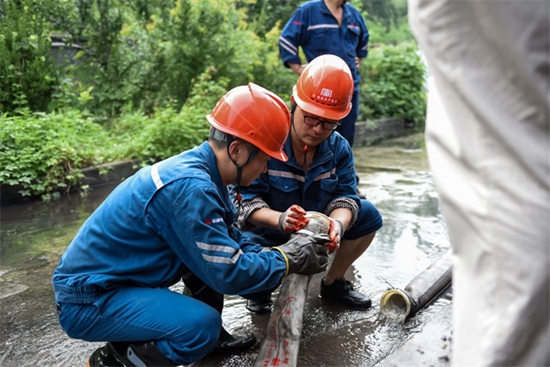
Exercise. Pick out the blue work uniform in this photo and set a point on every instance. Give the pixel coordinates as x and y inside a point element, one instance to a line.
<point>316,30</point>
<point>331,176</point>
<point>112,282</point>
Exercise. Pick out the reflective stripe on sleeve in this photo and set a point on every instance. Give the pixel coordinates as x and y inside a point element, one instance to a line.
<point>155,176</point>
<point>288,46</point>
<point>236,253</point>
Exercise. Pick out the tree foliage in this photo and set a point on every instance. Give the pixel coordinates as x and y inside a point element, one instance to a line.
<point>43,153</point>
<point>27,75</point>
<point>396,85</point>
<point>147,73</point>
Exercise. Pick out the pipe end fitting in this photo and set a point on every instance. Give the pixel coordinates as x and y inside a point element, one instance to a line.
<point>395,305</point>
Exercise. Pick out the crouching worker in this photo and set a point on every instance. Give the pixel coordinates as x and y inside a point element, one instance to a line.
<point>319,175</point>
<point>171,219</point>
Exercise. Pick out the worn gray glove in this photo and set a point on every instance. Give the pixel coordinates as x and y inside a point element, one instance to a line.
<point>305,253</point>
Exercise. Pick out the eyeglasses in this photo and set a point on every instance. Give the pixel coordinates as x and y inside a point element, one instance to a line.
<point>314,121</point>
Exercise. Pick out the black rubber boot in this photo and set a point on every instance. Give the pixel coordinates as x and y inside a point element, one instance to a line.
<point>342,290</point>
<point>230,343</point>
<point>260,306</point>
<point>129,355</point>
<point>103,357</point>
<point>140,354</point>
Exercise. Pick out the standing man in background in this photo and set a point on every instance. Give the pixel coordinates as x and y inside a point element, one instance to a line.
<point>488,141</point>
<point>328,27</point>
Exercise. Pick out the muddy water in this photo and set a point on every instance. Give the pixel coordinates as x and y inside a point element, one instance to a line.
<point>394,176</point>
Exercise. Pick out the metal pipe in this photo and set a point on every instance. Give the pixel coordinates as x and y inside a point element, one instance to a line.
<point>399,304</point>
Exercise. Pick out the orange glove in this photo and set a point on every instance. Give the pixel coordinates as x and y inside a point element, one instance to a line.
<point>293,219</point>
<point>335,233</point>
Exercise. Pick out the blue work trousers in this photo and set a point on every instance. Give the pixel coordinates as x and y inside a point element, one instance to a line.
<point>184,329</point>
<point>347,128</point>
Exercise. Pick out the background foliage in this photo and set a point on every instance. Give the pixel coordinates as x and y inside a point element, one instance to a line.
<point>138,76</point>
<point>43,152</point>
<point>27,75</point>
<point>396,83</point>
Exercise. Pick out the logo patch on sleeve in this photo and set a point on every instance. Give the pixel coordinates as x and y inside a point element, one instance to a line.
<point>213,221</point>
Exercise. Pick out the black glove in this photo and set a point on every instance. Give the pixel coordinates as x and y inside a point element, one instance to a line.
<point>305,253</point>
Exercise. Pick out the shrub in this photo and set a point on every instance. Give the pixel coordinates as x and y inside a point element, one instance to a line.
<point>42,153</point>
<point>394,83</point>
<point>168,132</point>
<point>27,74</point>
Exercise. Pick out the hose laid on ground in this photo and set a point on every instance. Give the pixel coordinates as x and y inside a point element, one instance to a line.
<point>398,305</point>
<point>282,340</point>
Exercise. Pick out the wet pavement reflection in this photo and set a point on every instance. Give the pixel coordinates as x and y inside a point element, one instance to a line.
<point>393,175</point>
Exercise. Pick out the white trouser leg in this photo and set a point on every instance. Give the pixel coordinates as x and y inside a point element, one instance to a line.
<point>488,140</point>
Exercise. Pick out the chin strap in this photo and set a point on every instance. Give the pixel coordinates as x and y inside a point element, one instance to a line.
<point>305,157</point>
<point>306,147</point>
<point>238,195</point>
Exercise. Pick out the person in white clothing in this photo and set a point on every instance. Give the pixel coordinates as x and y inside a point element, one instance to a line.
<point>488,141</point>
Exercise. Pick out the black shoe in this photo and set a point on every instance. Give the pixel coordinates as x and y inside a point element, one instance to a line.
<point>259,306</point>
<point>230,343</point>
<point>342,290</point>
<point>103,357</point>
<point>128,354</point>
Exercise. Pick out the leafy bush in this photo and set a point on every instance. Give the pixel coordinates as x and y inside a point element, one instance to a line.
<point>394,83</point>
<point>149,73</point>
<point>167,132</point>
<point>269,71</point>
<point>396,34</point>
<point>27,74</point>
<point>42,153</point>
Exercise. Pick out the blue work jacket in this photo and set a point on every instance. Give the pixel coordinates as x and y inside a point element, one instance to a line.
<point>169,217</point>
<point>331,175</point>
<point>316,30</point>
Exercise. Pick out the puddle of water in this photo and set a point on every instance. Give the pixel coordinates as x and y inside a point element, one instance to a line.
<point>394,176</point>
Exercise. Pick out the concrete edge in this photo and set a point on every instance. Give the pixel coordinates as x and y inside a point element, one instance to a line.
<point>93,176</point>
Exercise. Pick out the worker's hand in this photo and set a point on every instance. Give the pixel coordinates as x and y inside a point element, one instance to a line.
<point>297,68</point>
<point>305,253</point>
<point>335,233</point>
<point>293,219</point>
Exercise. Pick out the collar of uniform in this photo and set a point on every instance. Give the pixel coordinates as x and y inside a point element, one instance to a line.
<point>324,9</point>
<point>322,154</point>
<point>210,160</point>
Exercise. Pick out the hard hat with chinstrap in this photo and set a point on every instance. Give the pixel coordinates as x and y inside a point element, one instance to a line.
<point>256,115</point>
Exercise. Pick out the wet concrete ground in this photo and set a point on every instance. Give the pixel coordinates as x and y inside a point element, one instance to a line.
<point>430,347</point>
<point>393,175</point>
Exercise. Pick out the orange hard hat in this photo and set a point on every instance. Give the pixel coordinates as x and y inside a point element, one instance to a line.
<point>325,88</point>
<point>256,115</point>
